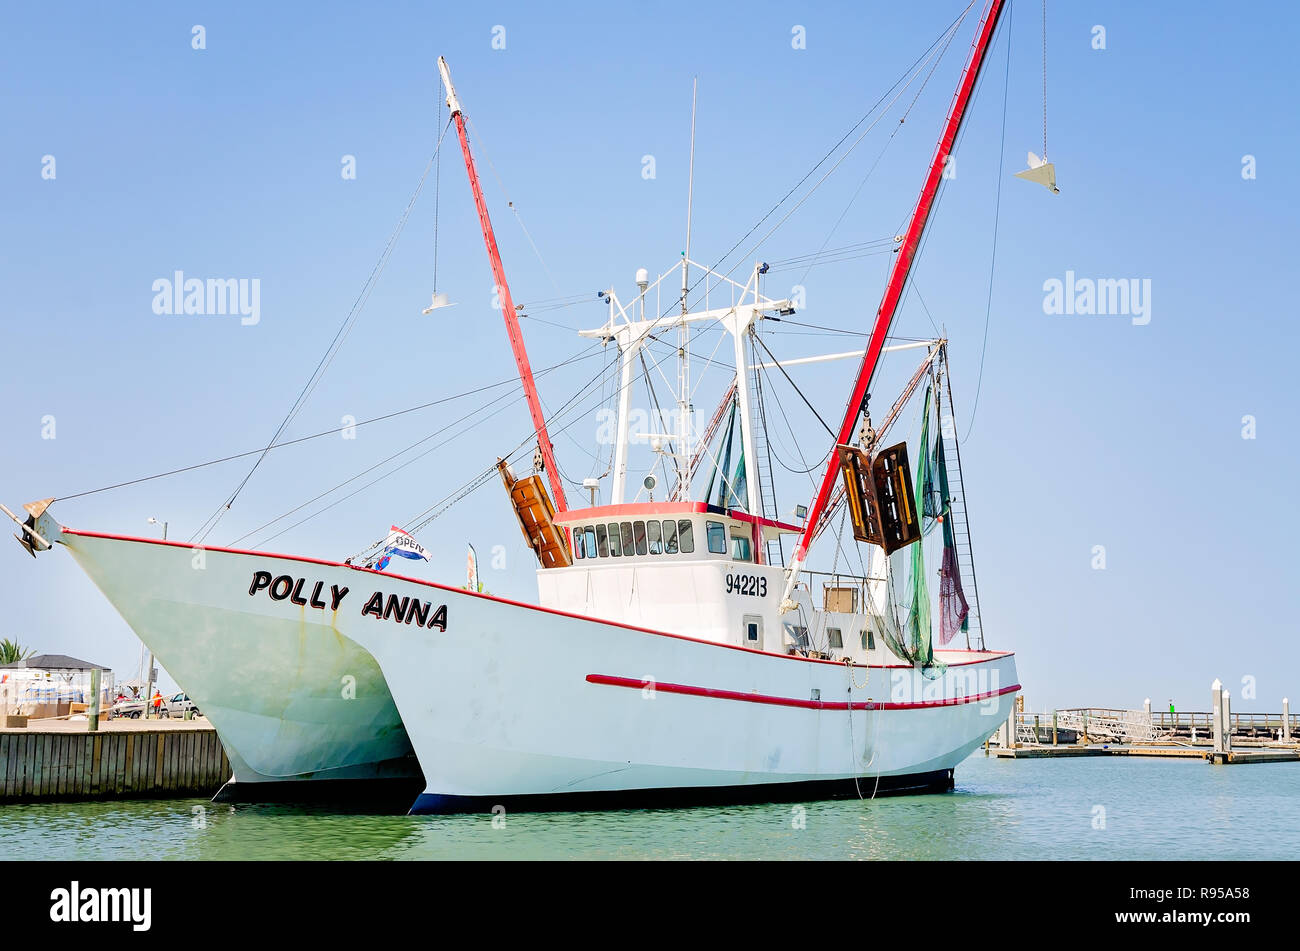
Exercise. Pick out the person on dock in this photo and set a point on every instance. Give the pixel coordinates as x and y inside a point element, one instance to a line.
<point>157,703</point>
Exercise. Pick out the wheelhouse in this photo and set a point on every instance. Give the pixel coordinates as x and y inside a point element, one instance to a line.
<point>664,532</point>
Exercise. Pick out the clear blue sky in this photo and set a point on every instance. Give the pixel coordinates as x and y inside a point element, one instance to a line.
<point>225,162</point>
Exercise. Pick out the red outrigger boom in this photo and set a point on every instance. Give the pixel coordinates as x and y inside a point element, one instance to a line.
<point>507,303</point>
<point>899,272</point>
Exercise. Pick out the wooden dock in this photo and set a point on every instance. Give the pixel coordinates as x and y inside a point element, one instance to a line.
<point>125,759</point>
<point>1026,751</point>
<point>1241,757</point>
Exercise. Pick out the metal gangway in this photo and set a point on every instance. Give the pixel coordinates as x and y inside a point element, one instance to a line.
<point>1118,726</point>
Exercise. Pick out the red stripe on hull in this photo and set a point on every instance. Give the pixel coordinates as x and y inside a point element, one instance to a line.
<point>716,694</point>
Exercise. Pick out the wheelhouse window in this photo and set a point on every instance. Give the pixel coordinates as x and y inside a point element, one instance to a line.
<point>835,638</point>
<point>868,639</point>
<point>740,548</point>
<point>667,537</point>
<point>685,536</point>
<point>654,537</point>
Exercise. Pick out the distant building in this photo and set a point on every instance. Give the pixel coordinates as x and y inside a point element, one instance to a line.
<point>45,685</point>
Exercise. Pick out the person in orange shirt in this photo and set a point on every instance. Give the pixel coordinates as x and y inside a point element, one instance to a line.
<point>157,703</point>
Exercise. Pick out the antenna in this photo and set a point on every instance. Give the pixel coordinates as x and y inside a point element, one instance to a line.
<point>690,198</point>
<point>684,332</point>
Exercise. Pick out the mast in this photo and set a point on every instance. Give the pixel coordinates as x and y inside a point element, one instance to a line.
<point>507,304</point>
<point>898,274</point>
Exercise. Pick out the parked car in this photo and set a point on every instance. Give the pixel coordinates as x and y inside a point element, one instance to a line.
<point>176,706</point>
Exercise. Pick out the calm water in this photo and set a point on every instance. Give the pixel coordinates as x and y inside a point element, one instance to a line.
<point>1030,809</point>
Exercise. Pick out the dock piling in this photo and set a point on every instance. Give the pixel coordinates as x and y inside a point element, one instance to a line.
<point>1216,712</point>
<point>92,712</point>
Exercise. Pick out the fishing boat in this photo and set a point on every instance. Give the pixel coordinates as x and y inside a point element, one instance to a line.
<point>680,649</point>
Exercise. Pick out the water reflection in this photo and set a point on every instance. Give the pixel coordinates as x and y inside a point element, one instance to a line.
<point>1065,809</point>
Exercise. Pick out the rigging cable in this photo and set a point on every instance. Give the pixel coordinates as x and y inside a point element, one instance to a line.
<point>885,148</point>
<point>997,214</point>
<point>948,33</point>
<point>357,491</point>
<point>326,432</point>
<point>830,431</point>
<point>510,204</point>
<point>392,471</point>
<point>760,395</point>
<point>659,414</point>
<point>330,352</point>
<point>1044,75</point>
<point>797,451</point>
<point>372,468</point>
<point>437,201</point>
<point>478,481</point>
<point>925,239</point>
<point>920,59</point>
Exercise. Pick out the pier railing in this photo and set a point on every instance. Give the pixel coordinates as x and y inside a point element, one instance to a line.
<point>1103,724</point>
<point>1121,726</point>
<point>1243,724</point>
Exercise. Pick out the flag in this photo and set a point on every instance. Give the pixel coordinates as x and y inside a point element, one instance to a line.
<point>471,570</point>
<point>400,543</point>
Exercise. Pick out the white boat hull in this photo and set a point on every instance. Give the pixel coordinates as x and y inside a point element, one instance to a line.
<point>292,697</point>
<point>522,706</point>
<point>525,707</point>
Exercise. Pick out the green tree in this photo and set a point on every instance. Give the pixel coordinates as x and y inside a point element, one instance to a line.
<point>11,652</point>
